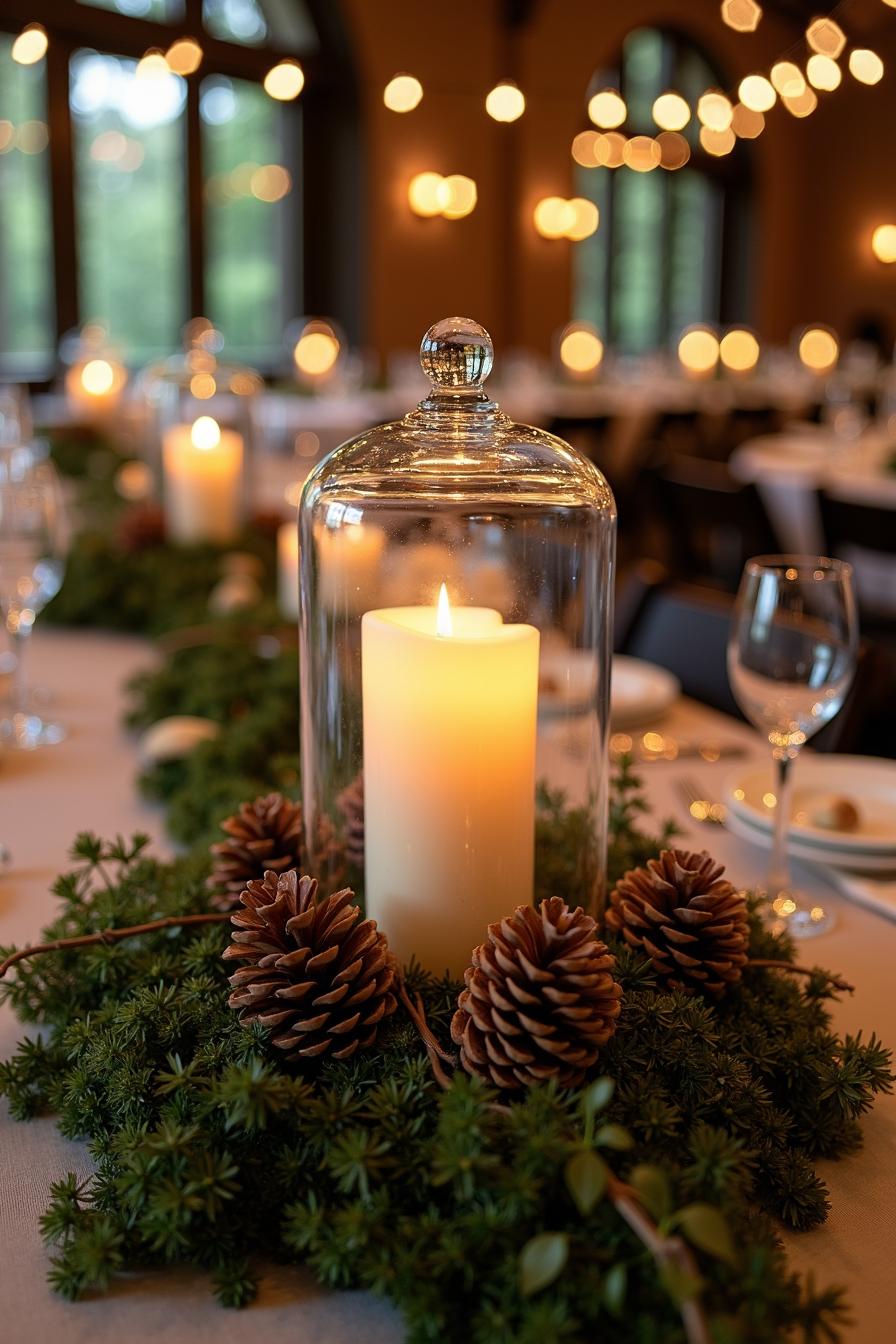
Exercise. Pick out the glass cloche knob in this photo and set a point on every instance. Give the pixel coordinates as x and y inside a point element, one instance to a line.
<point>457,353</point>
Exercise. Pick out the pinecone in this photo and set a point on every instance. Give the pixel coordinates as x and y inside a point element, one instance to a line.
<point>686,917</point>
<point>316,975</point>
<point>268,836</point>
<point>351,805</point>
<point>540,999</point>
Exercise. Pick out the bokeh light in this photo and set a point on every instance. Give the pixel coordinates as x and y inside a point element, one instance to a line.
<point>642,154</point>
<point>271,182</point>
<point>402,93</point>
<point>788,79</point>
<point>587,218</point>
<point>31,45</point>
<point>698,351</point>
<point>152,66</point>
<point>742,15</point>
<point>423,194</point>
<point>671,112</point>
<point>505,102</point>
<point>739,350</point>
<point>823,72</point>
<point>284,81</point>
<point>554,216</point>
<point>184,56</point>
<point>584,148</point>
<point>747,124</point>
<point>883,243</point>
<point>717,143</point>
<point>714,110</point>
<point>316,351</point>
<point>581,349</point>
<point>826,37</point>
<point>801,105</point>
<point>757,93</point>
<point>819,349</point>
<point>674,150</point>
<point>457,196</point>
<point>206,433</point>
<point>97,377</point>
<point>607,109</point>
<point>610,149</point>
<point>32,137</point>
<point>203,386</point>
<point>866,66</point>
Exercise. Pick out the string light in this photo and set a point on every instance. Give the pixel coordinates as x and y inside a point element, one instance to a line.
<point>402,93</point>
<point>556,217</point>
<point>607,109</point>
<point>739,350</point>
<point>803,105</point>
<point>747,124</point>
<point>717,143</point>
<point>865,66</point>
<point>826,37</point>
<point>741,15</point>
<point>505,102</point>
<point>316,351</point>
<point>818,349</point>
<point>756,93</point>
<point>284,81</point>
<point>184,56</point>
<point>581,349</point>
<point>671,112</point>
<point>883,241</point>
<point>152,66</point>
<point>423,194</point>
<point>584,148</point>
<point>698,351</point>
<point>587,218</point>
<point>31,45</point>
<point>823,72</point>
<point>642,154</point>
<point>457,196</point>
<point>714,110</point>
<point>610,150</point>
<point>788,79</point>
<point>271,182</point>
<point>674,150</point>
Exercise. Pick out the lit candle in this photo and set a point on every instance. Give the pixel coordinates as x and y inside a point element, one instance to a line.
<point>94,387</point>
<point>450,705</point>
<point>350,558</point>
<point>288,570</point>
<point>202,466</point>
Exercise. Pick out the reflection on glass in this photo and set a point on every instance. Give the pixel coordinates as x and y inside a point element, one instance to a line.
<point>249,199</point>
<point>129,164</point>
<point>161,10</point>
<point>26,265</point>
<point>252,23</point>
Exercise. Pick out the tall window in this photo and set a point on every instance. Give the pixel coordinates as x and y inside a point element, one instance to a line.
<point>655,264</point>
<point>140,197</point>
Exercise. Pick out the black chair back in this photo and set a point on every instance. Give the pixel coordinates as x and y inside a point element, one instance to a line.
<point>848,523</point>
<point>715,523</point>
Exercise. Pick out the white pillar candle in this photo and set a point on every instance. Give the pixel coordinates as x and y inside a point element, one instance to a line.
<point>202,466</point>
<point>450,705</point>
<point>349,558</point>
<point>288,570</point>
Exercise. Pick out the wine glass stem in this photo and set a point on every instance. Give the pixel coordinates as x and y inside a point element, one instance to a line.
<point>19,631</point>
<point>779,868</point>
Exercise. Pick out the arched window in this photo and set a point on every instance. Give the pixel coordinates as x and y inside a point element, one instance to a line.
<point>671,246</point>
<point>143,197</point>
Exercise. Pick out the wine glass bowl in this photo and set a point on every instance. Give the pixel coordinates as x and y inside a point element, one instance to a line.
<point>791,660</point>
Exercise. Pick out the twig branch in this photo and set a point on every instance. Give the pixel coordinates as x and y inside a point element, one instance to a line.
<point>769,964</point>
<point>109,936</point>
<point>417,1014</point>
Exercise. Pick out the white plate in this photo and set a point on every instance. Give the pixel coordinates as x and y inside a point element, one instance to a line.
<point>847,861</point>
<point>867,781</point>
<point>640,692</point>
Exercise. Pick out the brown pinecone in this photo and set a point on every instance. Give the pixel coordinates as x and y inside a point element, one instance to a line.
<point>267,835</point>
<point>686,917</point>
<point>319,974</point>
<point>540,999</point>
<point>351,805</point>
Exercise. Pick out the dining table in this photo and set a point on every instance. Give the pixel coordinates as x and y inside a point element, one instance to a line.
<point>88,782</point>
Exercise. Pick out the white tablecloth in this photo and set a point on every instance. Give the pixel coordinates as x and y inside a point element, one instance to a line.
<point>88,783</point>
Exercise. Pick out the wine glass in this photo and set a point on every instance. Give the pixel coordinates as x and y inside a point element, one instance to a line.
<point>33,546</point>
<point>791,659</point>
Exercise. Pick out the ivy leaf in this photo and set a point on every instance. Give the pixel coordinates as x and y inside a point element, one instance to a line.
<point>652,1186</point>
<point>613,1136</point>
<point>598,1095</point>
<point>614,1290</point>
<point>586,1180</point>
<point>541,1260</point>
<point>705,1227</point>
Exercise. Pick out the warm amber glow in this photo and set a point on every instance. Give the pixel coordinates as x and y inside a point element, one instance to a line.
<point>505,102</point>
<point>607,109</point>
<point>819,349</point>
<point>717,143</point>
<point>32,137</point>
<point>823,72</point>
<point>747,124</point>
<point>587,218</point>
<point>316,352</point>
<point>402,93</point>
<point>31,45</point>
<point>883,243</point>
<point>7,136</point>
<point>554,217</point>
<point>788,79</point>
<point>423,194</point>
<point>97,377</point>
<point>205,433</point>
<point>756,93</point>
<point>270,182</point>
<point>152,66</point>
<point>642,154</point>
<point>674,150</point>
<point>284,81</point>
<point>184,56</point>
<point>457,196</point>
<point>581,349</point>
<point>698,350</point>
<point>714,110</point>
<point>202,386</point>
<point>443,615</point>
<point>671,112</point>
<point>584,148</point>
<point>741,15</point>
<point>865,66</point>
<point>610,149</point>
<point>826,37</point>
<point>803,105</point>
<point>739,350</point>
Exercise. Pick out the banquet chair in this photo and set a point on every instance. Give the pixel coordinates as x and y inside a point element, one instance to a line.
<point>847,523</point>
<point>587,433</point>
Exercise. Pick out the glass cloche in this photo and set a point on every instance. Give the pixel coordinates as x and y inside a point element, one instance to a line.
<point>456,600</point>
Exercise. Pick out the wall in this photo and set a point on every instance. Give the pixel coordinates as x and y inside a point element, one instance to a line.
<point>819,184</point>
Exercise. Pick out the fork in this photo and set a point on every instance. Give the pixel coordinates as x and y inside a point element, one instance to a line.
<point>698,805</point>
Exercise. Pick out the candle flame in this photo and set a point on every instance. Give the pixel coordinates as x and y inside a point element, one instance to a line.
<point>97,377</point>
<point>443,614</point>
<point>205,433</point>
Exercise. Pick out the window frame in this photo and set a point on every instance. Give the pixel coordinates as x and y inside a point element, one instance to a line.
<point>322,156</point>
